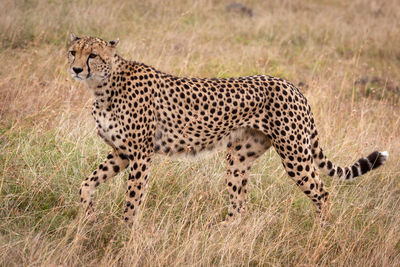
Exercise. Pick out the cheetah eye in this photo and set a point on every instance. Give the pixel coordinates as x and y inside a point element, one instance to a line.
<point>72,53</point>
<point>92,55</point>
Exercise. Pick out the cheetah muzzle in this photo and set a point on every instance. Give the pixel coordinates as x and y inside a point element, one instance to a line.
<point>140,111</point>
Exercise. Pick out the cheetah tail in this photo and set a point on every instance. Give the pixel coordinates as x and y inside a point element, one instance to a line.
<point>362,166</point>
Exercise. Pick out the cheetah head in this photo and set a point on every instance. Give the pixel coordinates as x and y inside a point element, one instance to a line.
<point>90,59</point>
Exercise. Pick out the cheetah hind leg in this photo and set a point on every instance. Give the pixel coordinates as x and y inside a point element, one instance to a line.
<point>242,151</point>
<point>302,171</point>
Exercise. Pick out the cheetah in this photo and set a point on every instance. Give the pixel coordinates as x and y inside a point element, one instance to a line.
<point>140,111</point>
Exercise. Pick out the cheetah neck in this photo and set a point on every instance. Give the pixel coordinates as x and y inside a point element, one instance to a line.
<point>98,87</point>
<point>105,90</point>
<point>117,83</point>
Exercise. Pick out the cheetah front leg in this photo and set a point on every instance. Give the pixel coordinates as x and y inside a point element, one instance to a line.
<point>112,165</point>
<point>137,185</point>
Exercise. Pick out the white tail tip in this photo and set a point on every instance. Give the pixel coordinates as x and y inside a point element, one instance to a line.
<point>385,154</point>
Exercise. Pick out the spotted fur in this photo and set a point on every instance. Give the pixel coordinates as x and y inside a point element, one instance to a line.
<point>140,111</point>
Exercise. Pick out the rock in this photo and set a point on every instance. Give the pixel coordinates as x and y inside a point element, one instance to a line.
<point>239,9</point>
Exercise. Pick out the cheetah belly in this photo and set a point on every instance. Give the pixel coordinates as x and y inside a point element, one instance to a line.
<point>192,146</point>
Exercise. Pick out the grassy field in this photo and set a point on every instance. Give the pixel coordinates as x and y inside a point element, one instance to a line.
<point>345,57</point>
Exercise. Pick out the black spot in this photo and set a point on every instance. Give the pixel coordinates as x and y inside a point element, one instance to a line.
<point>364,165</point>
<point>355,171</point>
<point>123,156</point>
<point>315,144</point>
<point>116,168</point>
<point>376,159</point>
<point>348,173</point>
<point>299,168</point>
<point>339,171</point>
<point>250,154</point>
<point>329,164</point>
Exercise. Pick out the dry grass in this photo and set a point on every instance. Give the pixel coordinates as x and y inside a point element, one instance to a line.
<point>48,144</point>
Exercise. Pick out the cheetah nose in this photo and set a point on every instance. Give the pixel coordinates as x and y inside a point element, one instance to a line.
<point>77,70</point>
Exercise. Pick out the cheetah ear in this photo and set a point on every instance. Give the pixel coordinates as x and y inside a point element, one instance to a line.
<point>73,37</point>
<point>113,43</point>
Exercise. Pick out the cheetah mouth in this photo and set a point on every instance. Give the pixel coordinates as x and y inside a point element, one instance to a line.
<point>79,78</point>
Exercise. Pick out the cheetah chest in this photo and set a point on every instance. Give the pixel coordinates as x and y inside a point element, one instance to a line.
<point>108,127</point>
